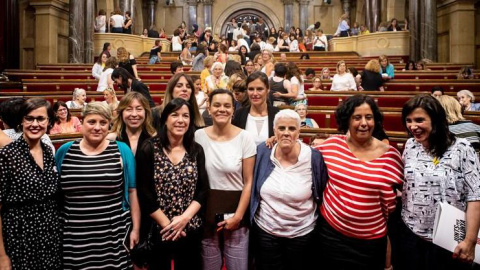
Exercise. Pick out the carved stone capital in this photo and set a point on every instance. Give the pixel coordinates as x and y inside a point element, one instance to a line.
<point>208,2</point>
<point>303,2</point>
<point>192,2</point>
<point>288,2</point>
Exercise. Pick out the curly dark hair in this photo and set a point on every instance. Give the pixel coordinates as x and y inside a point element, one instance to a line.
<point>345,110</point>
<point>440,138</point>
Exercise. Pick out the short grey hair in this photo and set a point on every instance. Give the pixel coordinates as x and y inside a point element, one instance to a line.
<point>301,104</point>
<point>287,114</point>
<point>467,93</point>
<point>98,108</point>
<point>77,92</point>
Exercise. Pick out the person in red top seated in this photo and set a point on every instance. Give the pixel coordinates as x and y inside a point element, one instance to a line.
<point>364,174</point>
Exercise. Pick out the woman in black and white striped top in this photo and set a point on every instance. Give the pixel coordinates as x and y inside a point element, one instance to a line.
<point>97,178</point>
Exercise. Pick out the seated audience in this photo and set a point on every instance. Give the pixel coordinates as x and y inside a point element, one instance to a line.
<point>466,99</point>
<point>105,80</point>
<point>421,65</point>
<point>186,55</point>
<point>302,111</point>
<point>364,30</point>
<point>465,73</point>
<point>410,65</point>
<point>78,99</point>
<point>111,100</point>
<point>317,84</point>
<point>343,80</point>
<point>437,91</point>
<point>309,73</point>
<point>99,65</point>
<point>457,124</point>
<point>371,78</point>
<point>387,70</point>
<point>326,74</point>
<point>64,122</point>
<point>218,79</point>
<point>176,67</point>
<point>394,26</point>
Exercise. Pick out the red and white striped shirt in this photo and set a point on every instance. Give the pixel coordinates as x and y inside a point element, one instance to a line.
<point>359,195</point>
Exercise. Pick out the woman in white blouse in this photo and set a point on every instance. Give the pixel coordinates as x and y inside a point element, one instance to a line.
<point>101,21</point>
<point>343,80</point>
<point>98,67</point>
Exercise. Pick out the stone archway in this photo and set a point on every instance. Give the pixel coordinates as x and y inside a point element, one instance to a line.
<point>246,7</point>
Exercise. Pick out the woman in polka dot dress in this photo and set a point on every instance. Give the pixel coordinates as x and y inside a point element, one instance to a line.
<point>30,229</point>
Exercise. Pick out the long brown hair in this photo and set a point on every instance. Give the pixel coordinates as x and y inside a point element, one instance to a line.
<point>119,126</point>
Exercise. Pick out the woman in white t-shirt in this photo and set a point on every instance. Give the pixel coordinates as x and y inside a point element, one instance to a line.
<point>297,82</point>
<point>176,41</point>
<point>231,157</point>
<point>200,96</point>
<point>105,80</point>
<point>343,80</point>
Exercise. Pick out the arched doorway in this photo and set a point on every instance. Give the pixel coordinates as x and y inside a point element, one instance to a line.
<point>247,15</point>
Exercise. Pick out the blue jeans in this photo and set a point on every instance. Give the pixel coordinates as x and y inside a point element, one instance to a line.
<point>231,245</point>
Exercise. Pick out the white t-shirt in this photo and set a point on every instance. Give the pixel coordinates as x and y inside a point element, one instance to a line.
<point>236,32</point>
<point>117,20</point>
<point>243,42</point>
<point>100,24</point>
<point>257,126</point>
<point>343,82</point>
<point>97,70</point>
<point>103,81</point>
<point>301,87</point>
<point>176,44</point>
<point>224,159</point>
<point>200,97</point>
<point>287,208</point>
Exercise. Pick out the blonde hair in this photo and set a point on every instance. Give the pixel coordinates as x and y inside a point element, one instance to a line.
<point>453,109</point>
<point>118,124</point>
<point>342,62</point>
<point>208,61</point>
<point>98,108</point>
<point>373,65</point>
<point>113,106</point>
<point>467,93</point>
<point>122,54</point>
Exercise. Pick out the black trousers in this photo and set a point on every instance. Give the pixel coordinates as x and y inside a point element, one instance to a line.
<point>280,253</point>
<point>340,252</point>
<point>416,253</point>
<point>185,253</point>
<point>321,49</point>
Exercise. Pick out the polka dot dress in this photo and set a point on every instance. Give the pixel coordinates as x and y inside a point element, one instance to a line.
<point>28,194</point>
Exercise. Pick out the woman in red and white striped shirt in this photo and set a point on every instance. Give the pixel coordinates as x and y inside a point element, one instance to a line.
<point>364,174</point>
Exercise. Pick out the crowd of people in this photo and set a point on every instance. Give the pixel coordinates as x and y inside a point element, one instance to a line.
<point>218,175</point>
<point>243,190</point>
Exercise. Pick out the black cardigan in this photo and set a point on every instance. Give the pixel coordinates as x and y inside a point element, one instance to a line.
<point>241,116</point>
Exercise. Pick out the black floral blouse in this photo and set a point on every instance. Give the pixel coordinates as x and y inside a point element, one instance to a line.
<point>170,187</point>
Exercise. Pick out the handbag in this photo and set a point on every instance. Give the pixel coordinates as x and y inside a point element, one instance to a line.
<point>143,251</point>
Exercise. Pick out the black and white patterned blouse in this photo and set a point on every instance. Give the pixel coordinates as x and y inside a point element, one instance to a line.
<point>455,179</point>
<point>30,218</point>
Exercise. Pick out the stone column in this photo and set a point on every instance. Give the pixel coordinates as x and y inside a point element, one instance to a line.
<point>428,22</point>
<point>207,11</point>
<point>373,15</point>
<point>128,5</point>
<point>76,35</point>
<point>151,13</point>
<point>288,7</point>
<point>303,13</point>
<point>89,24</point>
<point>9,31</point>
<point>192,14</point>
<point>346,7</point>
<point>413,24</point>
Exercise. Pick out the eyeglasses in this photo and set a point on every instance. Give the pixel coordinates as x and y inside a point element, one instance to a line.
<point>40,120</point>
